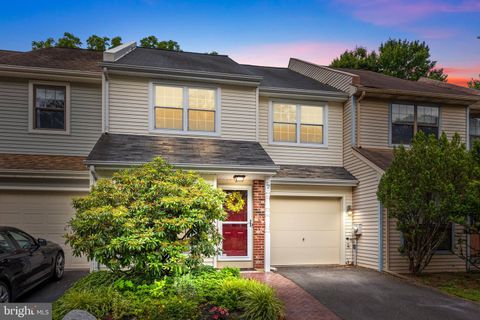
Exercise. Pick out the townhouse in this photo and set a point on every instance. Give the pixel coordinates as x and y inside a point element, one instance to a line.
<point>305,145</point>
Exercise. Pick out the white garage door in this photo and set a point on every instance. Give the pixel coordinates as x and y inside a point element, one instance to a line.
<point>305,230</point>
<point>43,215</point>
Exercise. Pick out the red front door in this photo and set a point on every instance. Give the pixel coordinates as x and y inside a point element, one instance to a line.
<point>235,230</point>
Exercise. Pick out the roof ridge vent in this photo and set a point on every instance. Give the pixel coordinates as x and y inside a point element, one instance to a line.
<point>114,54</point>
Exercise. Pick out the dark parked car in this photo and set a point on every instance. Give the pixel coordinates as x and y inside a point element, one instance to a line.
<point>25,262</point>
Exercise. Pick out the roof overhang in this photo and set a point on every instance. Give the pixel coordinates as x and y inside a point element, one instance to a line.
<point>50,73</point>
<point>300,94</point>
<point>443,98</point>
<point>180,74</point>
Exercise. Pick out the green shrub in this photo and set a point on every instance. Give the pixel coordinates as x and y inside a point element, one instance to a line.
<point>179,308</point>
<point>259,302</point>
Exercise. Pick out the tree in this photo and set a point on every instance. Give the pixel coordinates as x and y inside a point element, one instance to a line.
<point>426,188</point>
<point>152,42</point>
<point>97,43</point>
<point>474,83</point>
<point>50,42</point>
<point>149,220</point>
<point>69,41</point>
<point>399,58</point>
<point>116,41</point>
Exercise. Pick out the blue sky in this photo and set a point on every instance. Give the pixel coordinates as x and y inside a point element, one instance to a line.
<point>263,32</point>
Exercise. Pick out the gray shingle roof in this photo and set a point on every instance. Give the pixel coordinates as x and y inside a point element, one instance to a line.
<point>377,80</point>
<point>135,149</point>
<point>54,58</point>
<point>314,173</point>
<point>191,61</point>
<point>382,158</point>
<point>287,78</point>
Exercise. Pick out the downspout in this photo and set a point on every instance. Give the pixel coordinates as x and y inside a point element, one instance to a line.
<point>354,121</point>
<point>358,118</point>
<point>268,187</point>
<point>94,265</point>
<point>257,113</point>
<point>106,108</point>
<point>380,237</point>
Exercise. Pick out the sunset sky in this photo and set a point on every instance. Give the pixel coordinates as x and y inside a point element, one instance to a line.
<point>263,32</point>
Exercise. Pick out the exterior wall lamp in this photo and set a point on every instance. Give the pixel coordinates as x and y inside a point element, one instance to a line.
<point>349,210</point>
<point>239,177</point>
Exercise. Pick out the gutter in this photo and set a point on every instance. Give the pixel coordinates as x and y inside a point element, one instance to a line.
<point>320,182</point>
<point>288,91</point>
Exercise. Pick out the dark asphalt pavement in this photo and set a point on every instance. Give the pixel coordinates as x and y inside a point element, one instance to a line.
<point>362,294</point>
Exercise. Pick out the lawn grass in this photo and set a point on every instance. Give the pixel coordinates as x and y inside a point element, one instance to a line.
<point>460,284</point>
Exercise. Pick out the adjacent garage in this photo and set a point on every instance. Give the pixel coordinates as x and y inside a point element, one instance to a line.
<point>305,230</point>
<point>43,214</point>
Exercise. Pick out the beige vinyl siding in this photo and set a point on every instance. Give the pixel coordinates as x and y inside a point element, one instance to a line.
<point>85,121</point>
<point>129,108</point>
<point>365,209</point>
<point>454,120</point>
<point>279,190</point>
<point>440,262</point>
<point>334,78</point>
<point>373,123</point>
<point>320,156</point>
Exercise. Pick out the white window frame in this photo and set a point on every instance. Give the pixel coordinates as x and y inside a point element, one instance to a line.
<point>184,131</point>
<point>249,256</point>
<point>31,115</point>
<point>299,121</point>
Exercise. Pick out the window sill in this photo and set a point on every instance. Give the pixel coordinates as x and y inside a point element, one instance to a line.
<point>443,252</point>
<point>47,131</point>
<point>184,133</point>
<point>299,145</point>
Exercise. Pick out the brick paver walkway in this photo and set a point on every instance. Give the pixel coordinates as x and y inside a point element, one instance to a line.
<point>299,304</point>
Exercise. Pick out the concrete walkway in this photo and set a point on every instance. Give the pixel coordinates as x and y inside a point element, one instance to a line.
<point>363,294</point>
<point>299,305</point>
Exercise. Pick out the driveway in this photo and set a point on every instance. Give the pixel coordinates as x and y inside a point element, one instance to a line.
<point>357,293</point>
<point>50,291</point>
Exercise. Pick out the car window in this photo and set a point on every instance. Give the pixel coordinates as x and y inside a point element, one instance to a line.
<point>5,245</point>
<point>23,240</point>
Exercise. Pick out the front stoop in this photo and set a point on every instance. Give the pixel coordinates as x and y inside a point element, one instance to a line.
<point>299,304</point>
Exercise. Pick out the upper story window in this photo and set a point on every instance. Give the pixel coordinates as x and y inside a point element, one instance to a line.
<point>298,124</point>
<point>49,107</point>
<point>186,109</point>
<point>407,120</point>
<point>474,128</point>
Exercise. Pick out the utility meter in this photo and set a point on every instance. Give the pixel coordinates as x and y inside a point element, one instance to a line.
<point>357,229</point>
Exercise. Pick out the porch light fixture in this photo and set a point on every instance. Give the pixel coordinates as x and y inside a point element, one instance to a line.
<point>349,210</point>
<point>239,177</point>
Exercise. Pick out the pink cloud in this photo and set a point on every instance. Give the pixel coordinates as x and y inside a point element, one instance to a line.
<point>278,54</point>
<point>399,12</point>
<point>460,74</point>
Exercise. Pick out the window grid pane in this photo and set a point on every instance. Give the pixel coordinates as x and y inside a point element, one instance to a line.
<point>49,107</point>
<point>403,113</point>
<point>311,134</point>
<point>169,118</point>
<point>166,96</point>
<point>201,120</point>
<point>286,113</point>
<point>427,115</point>
<point>311,115</point>
<point>475,125</point>
<point>284,132</point>
<point>201,99</point>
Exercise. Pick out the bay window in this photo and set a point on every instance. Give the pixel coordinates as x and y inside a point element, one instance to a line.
<point>298,124</point>
<point>186,109</point>
<point>408,119</point>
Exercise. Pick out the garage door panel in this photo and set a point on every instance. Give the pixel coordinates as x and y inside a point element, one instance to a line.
<point>305,230</point>
<point>305,239</point>
<point>302,256</point>
<point>42,214</point>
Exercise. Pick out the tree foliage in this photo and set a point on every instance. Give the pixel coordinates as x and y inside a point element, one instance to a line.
<point>116,41</point>
<point>153,42</point>
<point>97,43</point>
<point>151,220</point>
<point>399,58</point>
<point>426,188</point>
<point>474,83</point>
<point>48,43</point>
<point>69,41</point>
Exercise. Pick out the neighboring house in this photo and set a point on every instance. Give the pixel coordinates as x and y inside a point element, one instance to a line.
<point>304,145</point>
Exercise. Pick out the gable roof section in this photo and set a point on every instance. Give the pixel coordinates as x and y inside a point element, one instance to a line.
<point>312,174</point>
<point>382,158</point>
<point>198,153</point>
<point>41,162</point>
<point>275,77</point>
<point>54,58</point>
